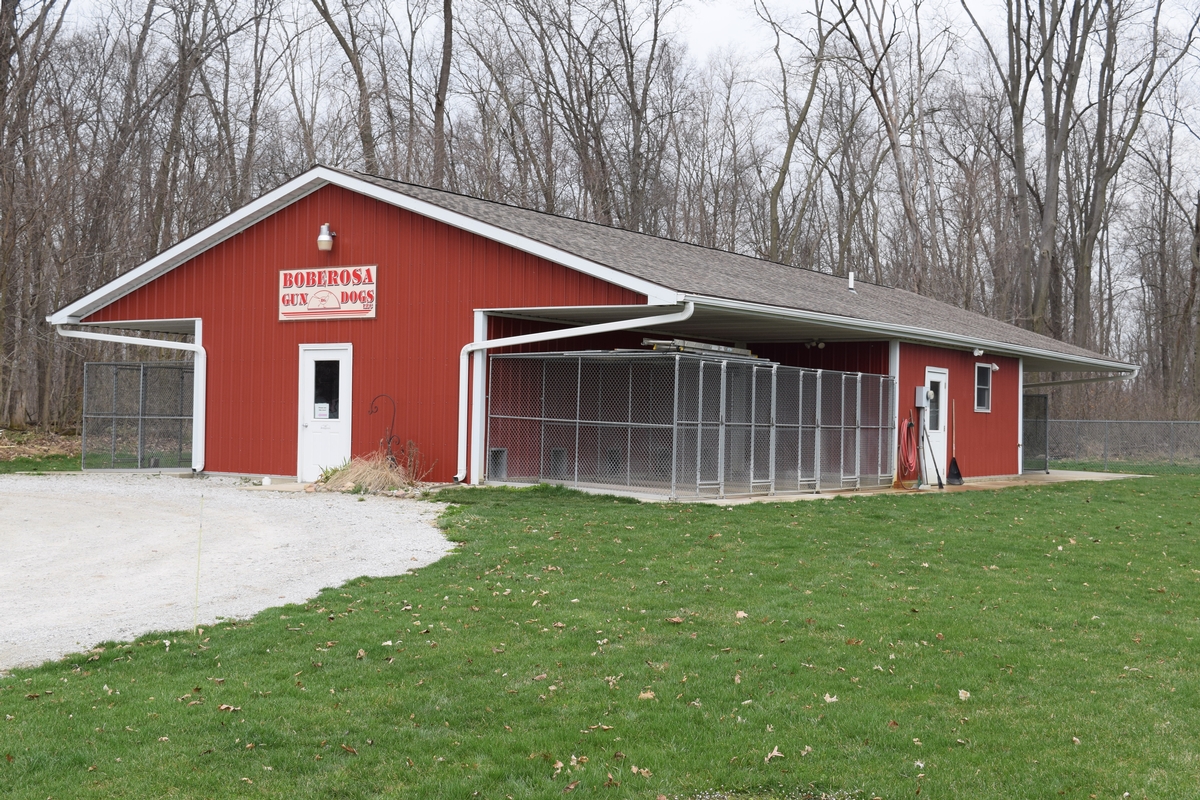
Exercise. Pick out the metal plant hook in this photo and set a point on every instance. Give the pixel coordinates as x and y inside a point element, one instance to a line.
<point>389,436</point>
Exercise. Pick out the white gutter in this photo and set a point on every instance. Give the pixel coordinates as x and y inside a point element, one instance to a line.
<point>1128,376</point>
<point>533,338</point>
<point>886,330</point>
<point>199,377</point>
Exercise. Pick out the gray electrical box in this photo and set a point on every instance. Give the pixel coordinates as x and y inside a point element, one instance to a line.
<point>920,401</point>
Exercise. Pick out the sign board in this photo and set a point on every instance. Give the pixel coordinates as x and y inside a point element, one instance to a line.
<point>339,293</point>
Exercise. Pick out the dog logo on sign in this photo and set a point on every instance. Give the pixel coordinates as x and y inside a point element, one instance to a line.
<point>323,300</point>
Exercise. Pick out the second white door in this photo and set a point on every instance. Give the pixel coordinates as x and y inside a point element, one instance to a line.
<point>936,385</point>
<point>325,403</point>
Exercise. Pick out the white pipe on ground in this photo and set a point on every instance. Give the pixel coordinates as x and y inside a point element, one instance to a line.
<point>533,338</point>
<point>199,378</point>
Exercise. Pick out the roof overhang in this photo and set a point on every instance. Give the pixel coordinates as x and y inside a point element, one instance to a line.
<point>728,320</point>
<point>309,182</point>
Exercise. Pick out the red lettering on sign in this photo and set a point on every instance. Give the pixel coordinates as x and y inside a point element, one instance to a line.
<point>369,296</point>
<point>367,276</point>
<point>310,278</point>
<point>357,276</point>
<point>344,277</point>
<point>287,280</point>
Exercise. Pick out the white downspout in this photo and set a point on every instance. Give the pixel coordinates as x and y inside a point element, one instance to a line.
<point>532,338</point>
<point>1020,416</point>
<point>199,377</point>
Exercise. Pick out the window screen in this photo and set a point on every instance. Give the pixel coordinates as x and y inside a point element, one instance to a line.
<point>326,387</point>
<point>983,387</point>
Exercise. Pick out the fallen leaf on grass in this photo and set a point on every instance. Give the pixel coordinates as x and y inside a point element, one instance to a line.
<point>350,750</point>
<point>963,694</point>
<point>852,641</point>
<point>741,615</point>
<point>361,654</point>
<point>646,695</point>
<point>229,708</point>
<point>893,724</point>
<point>541,677</point>
<point>773,754</point>
<point>675,620</point>
<point>610,782</point>
<point>645,773</point>
<point>571,787</point>
<point>830,698</point>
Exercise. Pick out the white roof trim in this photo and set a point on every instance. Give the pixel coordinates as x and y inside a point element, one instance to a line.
<point>311,181</point>
<point>908,332</point>
<point>656,294</point>
<point>190,247</point>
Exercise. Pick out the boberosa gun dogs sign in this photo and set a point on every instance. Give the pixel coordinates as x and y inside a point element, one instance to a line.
<point>344,292</point>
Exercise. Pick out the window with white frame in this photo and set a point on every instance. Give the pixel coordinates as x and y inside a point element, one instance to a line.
<point>983,387</point>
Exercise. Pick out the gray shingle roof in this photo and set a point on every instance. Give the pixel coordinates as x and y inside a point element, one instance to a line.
<point>692,269</point>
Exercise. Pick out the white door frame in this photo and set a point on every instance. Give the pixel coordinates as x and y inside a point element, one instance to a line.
<point>345,398</point>
<point>935,441</point>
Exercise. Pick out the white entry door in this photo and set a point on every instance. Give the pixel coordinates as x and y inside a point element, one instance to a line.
<point>936,383</point>
<point>325,403</point>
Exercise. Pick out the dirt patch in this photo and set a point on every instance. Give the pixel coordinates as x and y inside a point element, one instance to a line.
<point>37,443</point>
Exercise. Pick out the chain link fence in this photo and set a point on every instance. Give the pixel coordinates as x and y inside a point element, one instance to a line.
<point>1123,445</point>
<point>137,415</point>
<point>686,425</point>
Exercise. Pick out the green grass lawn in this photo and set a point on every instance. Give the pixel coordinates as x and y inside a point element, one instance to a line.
<point>53,463</point>
<point>1115,465</point>
<point>634,650</point>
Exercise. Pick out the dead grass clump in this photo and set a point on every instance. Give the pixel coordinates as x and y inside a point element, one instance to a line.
<point>36,443</point>
<point>373,474</point>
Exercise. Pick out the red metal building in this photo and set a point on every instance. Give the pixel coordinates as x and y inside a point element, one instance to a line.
<point>293,341</point>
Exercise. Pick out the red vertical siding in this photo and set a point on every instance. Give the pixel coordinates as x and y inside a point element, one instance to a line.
<point>430,278</point>
<point>987,441</point>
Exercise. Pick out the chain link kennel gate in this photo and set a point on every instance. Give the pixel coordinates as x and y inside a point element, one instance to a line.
<point>137,415</point>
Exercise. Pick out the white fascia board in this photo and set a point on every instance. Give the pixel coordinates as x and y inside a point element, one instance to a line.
<point>924,335</point>
<point>190,247</point>
<point>309,182</point>
<point>655,293</point>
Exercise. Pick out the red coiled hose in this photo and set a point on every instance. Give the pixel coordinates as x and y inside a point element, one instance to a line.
<point>908,450</point>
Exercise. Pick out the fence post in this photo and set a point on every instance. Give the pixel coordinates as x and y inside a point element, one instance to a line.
<point>83,432</point>
<point>774,421</point>
<point>817,436</point>
<point>578,399</point>
<point>1172,445</point>
<point>721,435</point>
<point>675,434</point>
<point>141,415</point>
<point>1106,445</point>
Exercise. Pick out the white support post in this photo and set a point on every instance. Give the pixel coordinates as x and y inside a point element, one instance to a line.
<point>894,372</point>
<point>478,400</point>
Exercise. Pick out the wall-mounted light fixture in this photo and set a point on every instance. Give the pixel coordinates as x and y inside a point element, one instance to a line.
<point>995,367</point>
<point>325,238</point>
<point>817,343</point>
<point>977,353</point>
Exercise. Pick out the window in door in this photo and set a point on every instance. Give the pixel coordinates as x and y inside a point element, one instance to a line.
<point>326,386</point>
<point>935,406</point>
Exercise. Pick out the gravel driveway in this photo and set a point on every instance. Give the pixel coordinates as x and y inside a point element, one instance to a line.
<point>86,558</point>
